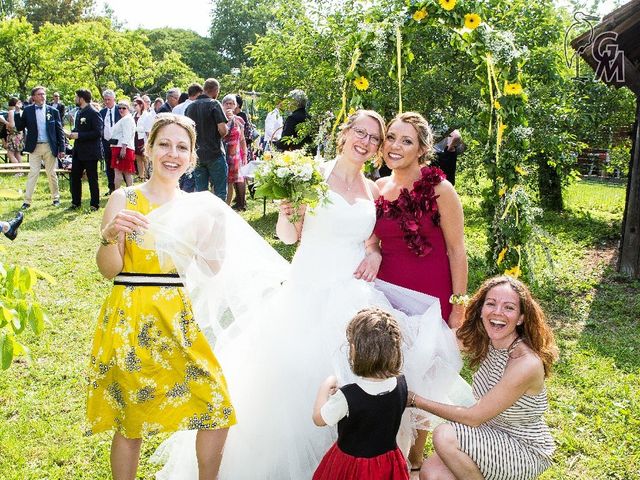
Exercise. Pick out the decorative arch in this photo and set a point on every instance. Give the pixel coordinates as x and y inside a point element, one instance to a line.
<point>510,214</point>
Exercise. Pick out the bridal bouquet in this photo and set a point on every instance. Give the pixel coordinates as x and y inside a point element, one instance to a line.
<point>293,176</point>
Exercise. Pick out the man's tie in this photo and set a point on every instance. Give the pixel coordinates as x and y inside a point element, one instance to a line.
<point>110,119</point>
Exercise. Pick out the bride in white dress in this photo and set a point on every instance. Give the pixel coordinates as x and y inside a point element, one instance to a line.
<point>293,336</point>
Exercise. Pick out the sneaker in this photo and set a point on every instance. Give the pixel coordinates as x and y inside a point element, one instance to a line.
<point>25,206</point>
<point>14,223</point>
<point>56,203</point>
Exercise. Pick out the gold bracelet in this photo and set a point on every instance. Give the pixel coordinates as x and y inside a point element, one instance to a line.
<point>412,403</point>
<point>105,243</point>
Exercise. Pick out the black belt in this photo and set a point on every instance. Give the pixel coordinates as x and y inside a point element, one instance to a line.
<point>131,279</point>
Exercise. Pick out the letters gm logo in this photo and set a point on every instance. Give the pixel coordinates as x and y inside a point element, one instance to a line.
<point>606,52</point>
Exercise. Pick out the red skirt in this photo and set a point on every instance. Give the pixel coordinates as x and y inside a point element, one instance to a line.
<point>126,164</point>
<point>337,465</point>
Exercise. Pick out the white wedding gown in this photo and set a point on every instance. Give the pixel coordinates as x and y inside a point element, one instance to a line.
<point>293,336</point>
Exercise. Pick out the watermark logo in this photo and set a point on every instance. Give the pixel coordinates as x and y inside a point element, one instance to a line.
<point>610,58</point>
<point>606,52</point>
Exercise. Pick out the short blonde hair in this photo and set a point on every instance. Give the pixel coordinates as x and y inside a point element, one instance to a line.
<point>164,119</point>
<point>422,128</point>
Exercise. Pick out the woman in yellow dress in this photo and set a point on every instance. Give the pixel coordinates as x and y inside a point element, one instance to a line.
<point>152,370</point>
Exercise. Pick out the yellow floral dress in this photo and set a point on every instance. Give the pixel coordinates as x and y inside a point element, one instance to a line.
<point>152,369</point>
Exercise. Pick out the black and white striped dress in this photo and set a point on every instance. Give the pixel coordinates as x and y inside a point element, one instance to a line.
<point>515,445</point>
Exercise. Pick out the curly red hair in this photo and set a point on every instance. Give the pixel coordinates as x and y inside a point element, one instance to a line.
<point>534,331</point>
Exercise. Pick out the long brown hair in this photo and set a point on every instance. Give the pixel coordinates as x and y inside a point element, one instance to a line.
<point>534,329</point>
<point>375,342</point>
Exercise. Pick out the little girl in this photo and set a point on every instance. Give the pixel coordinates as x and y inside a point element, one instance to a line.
<point>367,412</point>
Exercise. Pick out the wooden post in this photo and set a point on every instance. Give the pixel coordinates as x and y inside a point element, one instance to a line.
<point>629,258</point>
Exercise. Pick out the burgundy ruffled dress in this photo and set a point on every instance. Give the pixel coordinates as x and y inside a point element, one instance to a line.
<point>414,252</point>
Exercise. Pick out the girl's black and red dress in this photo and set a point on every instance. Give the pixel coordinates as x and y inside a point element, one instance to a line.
<point>366,448</point>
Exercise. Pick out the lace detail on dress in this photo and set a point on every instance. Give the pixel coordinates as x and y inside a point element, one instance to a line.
<point>411,206</point>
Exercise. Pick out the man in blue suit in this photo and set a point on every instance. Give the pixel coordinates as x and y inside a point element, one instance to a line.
<point>45,142</point>
<point>110,115</point>
<point>87,150</point>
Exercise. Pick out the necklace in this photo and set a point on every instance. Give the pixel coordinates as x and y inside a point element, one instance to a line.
<point>345,183</point>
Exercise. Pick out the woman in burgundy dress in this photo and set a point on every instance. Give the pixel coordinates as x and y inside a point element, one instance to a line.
<point>420,226</point>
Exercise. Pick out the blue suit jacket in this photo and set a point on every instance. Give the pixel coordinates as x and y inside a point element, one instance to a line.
<point>54,128</point>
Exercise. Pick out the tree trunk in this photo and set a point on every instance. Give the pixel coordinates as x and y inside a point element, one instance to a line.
<point>549,186</point>
<point>629,258</point>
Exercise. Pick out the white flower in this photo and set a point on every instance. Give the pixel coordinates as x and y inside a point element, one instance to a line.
<point>306,172</point>
<point>282,172</point>
<point>83,120</point>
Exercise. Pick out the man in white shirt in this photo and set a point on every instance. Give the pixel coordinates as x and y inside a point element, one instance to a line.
<point>273,127</point>
<point>110,115</point>
<point>194,91</point>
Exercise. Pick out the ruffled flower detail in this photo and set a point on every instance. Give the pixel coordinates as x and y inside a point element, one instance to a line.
<point>410,206</point>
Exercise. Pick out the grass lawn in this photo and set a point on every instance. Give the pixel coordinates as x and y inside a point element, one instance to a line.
<point>594,394</point>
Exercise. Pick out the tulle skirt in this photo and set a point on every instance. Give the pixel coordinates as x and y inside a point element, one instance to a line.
<point>337,465</point>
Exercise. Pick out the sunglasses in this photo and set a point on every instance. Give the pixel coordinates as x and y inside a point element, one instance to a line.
<point>123,108</point>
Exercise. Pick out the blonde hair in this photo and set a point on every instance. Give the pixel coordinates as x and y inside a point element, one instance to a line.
<point>164,119</point>
<point>375,342</point>
<point>422,128</point>
<point>353,118</point>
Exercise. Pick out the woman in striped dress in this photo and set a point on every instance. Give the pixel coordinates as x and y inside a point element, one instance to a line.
<point>503,436</point>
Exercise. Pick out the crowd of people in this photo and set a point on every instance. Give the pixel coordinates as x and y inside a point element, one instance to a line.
<point>373,308</point>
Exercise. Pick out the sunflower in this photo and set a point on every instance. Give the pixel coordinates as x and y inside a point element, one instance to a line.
<point>472,20</point>
<point>501,255</point>
<point>447,4</point>
<point>514,272</point>
<point>496,105</point>
<point>418,15</point>
<point>512,89</point>
<point>361,83</point>
<point>520,170</point>
<point>502,191</point>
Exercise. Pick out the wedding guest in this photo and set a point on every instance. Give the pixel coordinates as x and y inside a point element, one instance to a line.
<point>211,125</point>
<point>293,138</point>
<point>140,137</point>
<point>447,151</point>
<point>236,147</point>
<point>173,98</point>
<point>110,116</point>
<point>157,104</point>
<point>44,141</point>
<point>152,370</point>
<point>420,225</point>
<point>503,435</point>
<point>14,138</point>
<point>10,228</point>
<point>122,146</point>
<point>273,125</point>
<point>58,105</point>
<point>367,412</point>
<point>87,150</point>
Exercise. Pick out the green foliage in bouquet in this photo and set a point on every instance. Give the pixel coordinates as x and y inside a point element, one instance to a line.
<point>18,308</point>
<point>292,176</point>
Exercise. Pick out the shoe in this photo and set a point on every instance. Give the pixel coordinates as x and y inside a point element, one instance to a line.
<point>25,206</point>
<point>73,207</point>
<point>108,193</point>
<point>56,203</point>
<point>93,209</point>
<point>14,223</point>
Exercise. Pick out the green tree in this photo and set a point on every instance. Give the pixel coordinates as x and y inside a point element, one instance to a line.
<point>197,52</point>
<point>235,24</point>
<point>21,54</point>
<point>39,12</point>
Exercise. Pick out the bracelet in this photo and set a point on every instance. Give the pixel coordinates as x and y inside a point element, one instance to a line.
<point>459,299</point>
<point>105,243</point>
<point>412,403</point>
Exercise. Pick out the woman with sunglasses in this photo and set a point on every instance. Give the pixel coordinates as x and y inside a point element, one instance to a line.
<point>123,154</point>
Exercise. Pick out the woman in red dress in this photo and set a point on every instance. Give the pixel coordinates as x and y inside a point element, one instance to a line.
<point>420,226</point>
